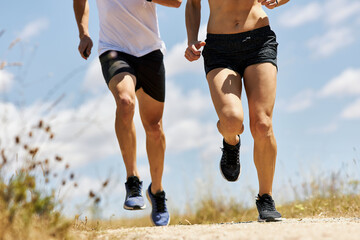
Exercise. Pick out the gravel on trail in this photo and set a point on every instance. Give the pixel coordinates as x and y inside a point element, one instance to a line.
<point>297,229</point>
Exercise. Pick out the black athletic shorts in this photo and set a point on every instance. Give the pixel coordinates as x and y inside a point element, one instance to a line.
<point>240,50</point>
<point>149,70</point>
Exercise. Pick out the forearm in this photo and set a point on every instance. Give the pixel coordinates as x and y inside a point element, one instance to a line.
<point>168,3</point>
<point>81,10</point>
<point>192,19</point>
<point>282,2</point>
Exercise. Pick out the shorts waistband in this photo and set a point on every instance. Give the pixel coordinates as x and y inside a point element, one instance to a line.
<point>262,31</point>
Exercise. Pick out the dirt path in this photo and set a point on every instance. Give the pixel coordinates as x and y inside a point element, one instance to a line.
<point>317,229</point>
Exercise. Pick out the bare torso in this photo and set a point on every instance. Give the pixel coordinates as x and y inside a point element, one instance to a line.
<point>234,16</point>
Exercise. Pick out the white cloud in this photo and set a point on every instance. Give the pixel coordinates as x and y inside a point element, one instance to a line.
<point>332,41</point>
<point>301,15</point>
<point>34,28</point>
<point>299,102</point>
<point>337,11</point>
<point>86,133</point>
<point>82,134</point>
<point>352,111</point>
<point>347,83</point>
<point>332,12</point>
<point>94,80</point>
<point>176,63</point>
<point>186,121</point>
<point>6,80</point>
<point>327,128</point>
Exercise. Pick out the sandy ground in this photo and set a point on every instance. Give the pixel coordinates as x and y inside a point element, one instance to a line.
<point>307,228</point>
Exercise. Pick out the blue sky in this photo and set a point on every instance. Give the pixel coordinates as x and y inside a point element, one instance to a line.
<point>316,116</point>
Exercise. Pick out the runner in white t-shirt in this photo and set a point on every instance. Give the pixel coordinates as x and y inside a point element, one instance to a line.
<point>131,56</point>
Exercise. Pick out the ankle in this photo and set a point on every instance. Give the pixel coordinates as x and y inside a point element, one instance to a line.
<point>231,144</point>
<point>232,141</point>
<point>132,174</point>
<point>260,194</point>
<point>155,189</point>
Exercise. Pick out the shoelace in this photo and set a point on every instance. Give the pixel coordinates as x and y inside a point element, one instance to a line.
<point>160,202</point>
<point>266,203</point>
<point>135,190</point>
<point>231,156</point>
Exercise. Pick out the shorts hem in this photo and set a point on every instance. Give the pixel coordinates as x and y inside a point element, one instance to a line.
<point>117,73</point>
<point>263,61</point>
<point>215,67</point>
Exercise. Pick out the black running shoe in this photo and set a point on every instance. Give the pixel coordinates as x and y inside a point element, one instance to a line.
<point>134,199</point>
<point>266,208</point>
<point>230,163</point>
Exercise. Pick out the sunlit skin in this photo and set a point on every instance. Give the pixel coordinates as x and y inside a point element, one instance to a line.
<point>228,17</point>
<point>122,86</point>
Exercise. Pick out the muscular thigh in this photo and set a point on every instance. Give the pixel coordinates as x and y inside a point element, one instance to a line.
<point>260,87</point>
<point>151,110</point>
<point>122,86</point>
<point>225,89</point>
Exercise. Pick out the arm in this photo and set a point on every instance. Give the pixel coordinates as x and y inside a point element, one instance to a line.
<point>282,2</point>
<point>168,3</point>
<point>81,10</point>
<point>192,18</point>
<point>271,4</point>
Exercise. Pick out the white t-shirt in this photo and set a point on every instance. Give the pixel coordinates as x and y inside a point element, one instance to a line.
<point>129,26</point>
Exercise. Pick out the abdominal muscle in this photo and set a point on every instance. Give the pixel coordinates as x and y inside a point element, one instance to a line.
<point>235,16</point>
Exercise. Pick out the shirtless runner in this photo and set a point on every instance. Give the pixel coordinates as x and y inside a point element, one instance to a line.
<point>240,45</point>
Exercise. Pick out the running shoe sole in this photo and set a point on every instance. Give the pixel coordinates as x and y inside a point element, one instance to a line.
<point>225,177</point>
<point>270,219</point>
<point>135,207</point>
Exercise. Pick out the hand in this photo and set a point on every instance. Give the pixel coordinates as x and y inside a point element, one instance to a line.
<point>192,52</point>
<point>85,46</point>
<point>270,4</point>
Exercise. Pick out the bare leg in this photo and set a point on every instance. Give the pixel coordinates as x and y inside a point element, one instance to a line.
<point>225,89</point>
<point>260,86</point>
<point>122,87</point>
<point>151,112</point>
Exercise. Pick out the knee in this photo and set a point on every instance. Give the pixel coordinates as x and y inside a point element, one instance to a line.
<point>154,129</point>
<point>125,107</point>
<point>231,123</point>
<point>262,127</point>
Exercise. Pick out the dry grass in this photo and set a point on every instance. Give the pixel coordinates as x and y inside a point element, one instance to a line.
<point>219,211</point>
<point>27,209</point>
<point>328,197</point>
<point>209,211</point>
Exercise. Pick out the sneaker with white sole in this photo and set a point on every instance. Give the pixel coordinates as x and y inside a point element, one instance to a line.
<point>159,215</point>
<point>230,161</point>
<point>266,208</point>
<point>134,199</point>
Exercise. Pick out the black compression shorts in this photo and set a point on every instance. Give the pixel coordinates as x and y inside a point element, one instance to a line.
<point>149,70</point>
